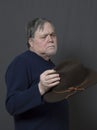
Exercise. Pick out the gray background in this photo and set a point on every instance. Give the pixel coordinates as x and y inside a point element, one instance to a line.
<point>76,24</point>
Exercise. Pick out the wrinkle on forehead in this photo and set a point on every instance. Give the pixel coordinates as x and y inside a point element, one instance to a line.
<point>41,26</point>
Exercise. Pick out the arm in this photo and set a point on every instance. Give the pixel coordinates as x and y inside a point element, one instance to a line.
<point>20,96</point>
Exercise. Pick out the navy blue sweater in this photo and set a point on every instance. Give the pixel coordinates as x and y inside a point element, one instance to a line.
<point>24,101</point>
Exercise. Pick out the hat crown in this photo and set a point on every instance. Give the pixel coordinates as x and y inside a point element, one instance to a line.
<point>72,73</point>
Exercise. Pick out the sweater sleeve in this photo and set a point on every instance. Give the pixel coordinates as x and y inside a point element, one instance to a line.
<point>20,96</point>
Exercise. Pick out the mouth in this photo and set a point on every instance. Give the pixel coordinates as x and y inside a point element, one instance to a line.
<point>52,46</point>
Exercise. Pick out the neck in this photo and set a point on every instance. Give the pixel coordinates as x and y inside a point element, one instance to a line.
<point>45,57</point>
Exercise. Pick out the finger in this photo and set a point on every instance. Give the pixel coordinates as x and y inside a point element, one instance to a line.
<point>53,84</point>
<point>48,72</point>
<point>50,82</point>
<point>53,80</point>
<point>52,76</point>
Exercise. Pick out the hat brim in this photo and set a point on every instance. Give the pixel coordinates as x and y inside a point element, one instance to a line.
<point>90,80</point>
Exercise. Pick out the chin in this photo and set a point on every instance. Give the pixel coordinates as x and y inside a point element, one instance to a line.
<point>51,53</point>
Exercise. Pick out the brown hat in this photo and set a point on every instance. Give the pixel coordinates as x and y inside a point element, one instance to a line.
<point>74,78</point>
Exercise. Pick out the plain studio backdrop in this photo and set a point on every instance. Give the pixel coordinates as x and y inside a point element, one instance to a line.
<point>76,26</point>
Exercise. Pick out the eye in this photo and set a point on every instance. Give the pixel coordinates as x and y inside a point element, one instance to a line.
<point>53,34</point>
<point>43,37</point>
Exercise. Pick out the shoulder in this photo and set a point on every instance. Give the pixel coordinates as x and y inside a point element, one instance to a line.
<point>22,58</point>
<point>18,62</point>
<point>18,59</point>
<point>22,61</point>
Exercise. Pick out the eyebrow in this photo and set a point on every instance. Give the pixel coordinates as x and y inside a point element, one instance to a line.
<point>45,34</point>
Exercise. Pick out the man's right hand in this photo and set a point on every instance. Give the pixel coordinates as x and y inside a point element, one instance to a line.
<point>48,79</point>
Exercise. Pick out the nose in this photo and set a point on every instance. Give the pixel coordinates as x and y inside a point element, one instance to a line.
<point>50,38</point>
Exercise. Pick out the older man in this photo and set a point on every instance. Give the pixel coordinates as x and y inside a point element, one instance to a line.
<point>29,76</point>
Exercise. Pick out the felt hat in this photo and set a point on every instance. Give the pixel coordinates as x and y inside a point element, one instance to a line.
<point>75,77</point>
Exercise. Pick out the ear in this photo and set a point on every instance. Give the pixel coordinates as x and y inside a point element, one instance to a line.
<point>30,42</point>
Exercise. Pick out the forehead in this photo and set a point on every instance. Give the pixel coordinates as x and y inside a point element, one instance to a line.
<point>45,28</point>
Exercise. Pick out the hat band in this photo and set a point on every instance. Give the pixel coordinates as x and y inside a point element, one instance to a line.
<point>70,89</point>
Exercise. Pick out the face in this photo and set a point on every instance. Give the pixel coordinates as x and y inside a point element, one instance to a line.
<point>44,42</point>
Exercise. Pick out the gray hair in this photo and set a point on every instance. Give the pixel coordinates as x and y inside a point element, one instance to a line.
<point>37,23</point>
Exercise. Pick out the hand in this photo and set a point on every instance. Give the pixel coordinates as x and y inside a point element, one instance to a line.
<point>48,79</point>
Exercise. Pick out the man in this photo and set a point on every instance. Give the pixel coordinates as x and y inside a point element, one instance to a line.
<point>29,76</point>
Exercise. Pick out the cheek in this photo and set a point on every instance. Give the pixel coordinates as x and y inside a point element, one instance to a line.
<point>38,44</point>
<point>56,42</point>
<point>41,46</point>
